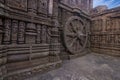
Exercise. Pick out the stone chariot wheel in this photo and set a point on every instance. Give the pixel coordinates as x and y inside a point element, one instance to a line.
<point>75,35</point>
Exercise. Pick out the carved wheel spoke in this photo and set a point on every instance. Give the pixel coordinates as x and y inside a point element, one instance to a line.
<point>75,36</point>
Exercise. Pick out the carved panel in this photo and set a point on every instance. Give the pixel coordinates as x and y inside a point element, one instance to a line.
<point>32,6</point>
<point>21,33</point>
<point>39,33</point>
<point>7,33</point>
<point>14,31</point>
<point>44,34</point>
<point>43,6</point>
<point>17,4</point>
<point>31,33</point>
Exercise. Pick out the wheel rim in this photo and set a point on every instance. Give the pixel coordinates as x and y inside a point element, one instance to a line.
<point>75,35</point>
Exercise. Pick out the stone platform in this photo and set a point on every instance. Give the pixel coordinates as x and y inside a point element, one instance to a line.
<point>90,67</point>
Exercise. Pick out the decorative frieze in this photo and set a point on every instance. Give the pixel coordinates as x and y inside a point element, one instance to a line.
<point>17,4</point>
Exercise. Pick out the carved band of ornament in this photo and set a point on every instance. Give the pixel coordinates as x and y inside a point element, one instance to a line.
<point>17,4</point>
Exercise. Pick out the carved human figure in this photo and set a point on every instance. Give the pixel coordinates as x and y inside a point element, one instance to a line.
<point>14,31</point>
<point>7,32</point>
<point>43,6</point>
<point>21,34</point>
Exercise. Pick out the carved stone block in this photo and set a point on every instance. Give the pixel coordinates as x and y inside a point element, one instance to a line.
<point>44,34</point>
<point>32,6</point>
<point>7,32</point>
<point>43,6</point>
<point>21,33</point>
<point>14,31</point>
<point>31,33</point>
<point>1,30</point>
<point>17,4</point>
<point>39,33</point>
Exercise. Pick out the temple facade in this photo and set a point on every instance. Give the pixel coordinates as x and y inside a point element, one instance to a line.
<point>105,29</point>
<point>37,35</point>
<point>31,35</point>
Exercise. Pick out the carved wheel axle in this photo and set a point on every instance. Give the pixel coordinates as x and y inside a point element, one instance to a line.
<point>75,35</point>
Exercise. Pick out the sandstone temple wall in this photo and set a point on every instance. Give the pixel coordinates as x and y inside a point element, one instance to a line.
<point>105,32</point>
<point>31,32</point>
<point>29,39</point>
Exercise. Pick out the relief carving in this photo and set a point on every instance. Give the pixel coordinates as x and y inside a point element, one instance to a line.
<point>21,34</point>
<point>14,31</point>
<point>38,33</point>
<point>18,4</point>
<point>7,32</point>
<point>44,34</point>
<point>2,1</point>
<point>43,6</point>
<point>32,6</point>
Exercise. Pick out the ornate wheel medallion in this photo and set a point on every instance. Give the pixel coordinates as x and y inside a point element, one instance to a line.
<point>75,35</point>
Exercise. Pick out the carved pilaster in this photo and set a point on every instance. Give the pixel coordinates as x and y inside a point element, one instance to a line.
<point>55,9</point>
<point>44,33</point>
<point>1,1</point>
<point>7,33</point>
<point>14,31</point>
<point>32,6</point>
<point>38,33</point>
<point>21,34</point>
<point>31,33</point>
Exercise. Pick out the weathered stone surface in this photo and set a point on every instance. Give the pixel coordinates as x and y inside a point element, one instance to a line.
<point>105,37</point>
<point>90,67</point>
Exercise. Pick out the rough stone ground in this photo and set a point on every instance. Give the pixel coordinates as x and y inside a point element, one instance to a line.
<point>90,67</point>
